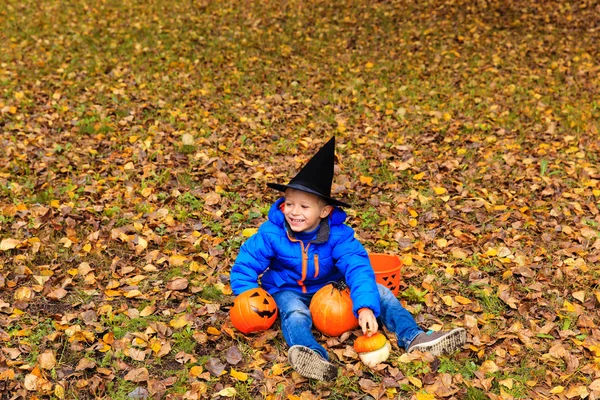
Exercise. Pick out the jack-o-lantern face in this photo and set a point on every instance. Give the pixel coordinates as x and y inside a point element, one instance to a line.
<point>254,310</point>
<point>390,282</point>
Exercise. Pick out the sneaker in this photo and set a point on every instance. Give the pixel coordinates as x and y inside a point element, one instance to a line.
<point>438,343</point>
<point>310,364</point>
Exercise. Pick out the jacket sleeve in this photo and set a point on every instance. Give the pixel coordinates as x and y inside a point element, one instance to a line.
<point>353,261</point>
<point>253,259</point>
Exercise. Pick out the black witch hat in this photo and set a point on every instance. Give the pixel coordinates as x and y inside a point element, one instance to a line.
<point>316,176</point>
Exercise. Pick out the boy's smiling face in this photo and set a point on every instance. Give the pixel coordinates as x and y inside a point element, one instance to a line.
<point>303,211</point>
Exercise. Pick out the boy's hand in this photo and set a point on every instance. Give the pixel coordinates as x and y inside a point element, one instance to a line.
<point>367,321</point>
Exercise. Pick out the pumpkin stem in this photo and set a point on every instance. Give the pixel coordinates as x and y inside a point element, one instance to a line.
<point>340,285</point>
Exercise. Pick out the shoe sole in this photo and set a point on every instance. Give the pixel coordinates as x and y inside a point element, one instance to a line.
<point>310,364</point>
<point>446,344</point>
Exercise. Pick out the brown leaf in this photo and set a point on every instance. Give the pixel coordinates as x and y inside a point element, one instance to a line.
<point>212,199</point>
<point>215,366</point>
<point>85,363</point>
<point>8,244</point>
<point>57,294</point>
<point>178,284</point>
<point>47,360</point>
<point>24,293</point>
<point>137,354</point>
<point>233,355</point>
<point>137,375</point>
<point>31,382</point>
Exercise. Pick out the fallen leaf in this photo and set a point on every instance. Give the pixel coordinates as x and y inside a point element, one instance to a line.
<point>137,375</point>
<point>233,355</point>
<point>8,244</point>
<point>227,392</point>
<point>214,366</point>
<point>240,376</point>
<point>178,284</point>
<point>47,360</point>
<point>57,294</point>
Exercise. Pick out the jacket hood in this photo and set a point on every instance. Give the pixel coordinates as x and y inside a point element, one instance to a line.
<point>337,216</point>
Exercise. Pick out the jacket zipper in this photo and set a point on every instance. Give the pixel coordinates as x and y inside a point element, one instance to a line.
<point>305,262</point>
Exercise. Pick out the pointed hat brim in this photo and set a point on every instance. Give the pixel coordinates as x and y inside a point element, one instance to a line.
<point>297,186</point>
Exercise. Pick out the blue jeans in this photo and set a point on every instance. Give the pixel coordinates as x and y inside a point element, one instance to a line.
<point>296,322</point>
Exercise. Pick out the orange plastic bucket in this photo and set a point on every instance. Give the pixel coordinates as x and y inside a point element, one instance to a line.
<point>387,270</point>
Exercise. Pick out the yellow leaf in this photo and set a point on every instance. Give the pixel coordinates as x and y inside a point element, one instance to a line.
<point>448,301</point>
<point>425,396</point>
<point>19,95</point>
<point>439,190</point>
<point>249,232</point>
<point>133,293</point>
<point>213,331</point>
<point>227,290</point>
<point>112,293</point>
<point>7,375</point>
<point>413,222</point>
<point>87,247</point>
<point>569,307</point>
<point>23,293</point>
<point>228,392</point>
<point>179,322</point>
<point>557,389</point>
<point>441,243</point>
<point>419,176</point>
<point>579,295</point>
<point>369,65</point>
<point>278,369</point>
<point>489,367</point>
<point>366,180</point>
<point>507,383</point>
<point>415,381</point>
<point>491,252</point>
<point>177,260</point>
<point>196,370</point>
<point>240,376</point>
<point>407,260</point>
<point>8,244</point>
<point>195,267</point>
<point>462,300</point>
<point>156,346</point>
<point>59,391</point>
<point>149,310</point>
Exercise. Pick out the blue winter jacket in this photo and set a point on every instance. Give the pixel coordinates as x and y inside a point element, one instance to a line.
<point>287,263</point>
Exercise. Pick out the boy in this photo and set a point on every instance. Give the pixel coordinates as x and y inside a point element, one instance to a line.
<point>305,245</point>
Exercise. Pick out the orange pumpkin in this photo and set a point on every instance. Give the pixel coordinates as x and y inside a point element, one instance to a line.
<point>254,310</point>
<point>331,309</point>
<point>364,344</point>
<point>372,350</point>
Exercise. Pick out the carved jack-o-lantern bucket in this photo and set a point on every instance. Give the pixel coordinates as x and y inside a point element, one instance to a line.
<point>387,270</point>
<point>254,310</point>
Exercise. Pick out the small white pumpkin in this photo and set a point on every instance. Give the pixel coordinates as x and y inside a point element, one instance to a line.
<point>372,350</point>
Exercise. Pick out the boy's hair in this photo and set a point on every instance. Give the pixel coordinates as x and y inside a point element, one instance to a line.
<point>322,201</point>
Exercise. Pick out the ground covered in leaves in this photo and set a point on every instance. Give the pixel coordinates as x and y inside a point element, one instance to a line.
<point>136,140</point>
